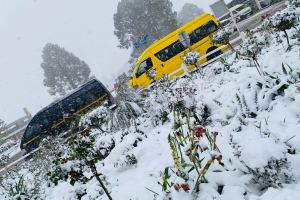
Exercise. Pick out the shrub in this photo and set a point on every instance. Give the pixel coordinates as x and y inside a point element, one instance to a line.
<point>222,37</point>
<point>191,58</point>
<point>284,20</point>
<point>81,157</point>
<point>130,106</point>
<point>266,160</point>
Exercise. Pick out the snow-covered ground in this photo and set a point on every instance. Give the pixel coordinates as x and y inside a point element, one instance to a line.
<point>256,116</point>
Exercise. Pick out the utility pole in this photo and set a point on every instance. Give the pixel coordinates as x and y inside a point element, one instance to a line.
<point>258,4</point>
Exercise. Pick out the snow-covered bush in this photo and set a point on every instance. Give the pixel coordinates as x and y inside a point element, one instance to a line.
<point>283,20</point>
<point>96,119</point>
<point>78,162</point>
<point>266,160</point>
<point>296,3</point>
<point>129,106</point>
<point>151,74</point>
<point>3,160</point>
<point>191,58</point>
<point>227,65</point>
<point>222,36</point>
<point>7,146</point>
<point>275,84</point>
<point>253,44</point>
<point>18,190</point>
<point>156,101</point>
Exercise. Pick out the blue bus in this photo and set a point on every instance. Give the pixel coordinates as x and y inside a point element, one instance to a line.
<point>51,119</point>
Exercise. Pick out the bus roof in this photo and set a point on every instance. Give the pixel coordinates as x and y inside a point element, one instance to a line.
<point>176,32</point>
<point>69,94</point>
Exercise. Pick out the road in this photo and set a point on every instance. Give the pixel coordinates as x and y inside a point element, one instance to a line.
<point>255,20</point>
<point>12,159</point>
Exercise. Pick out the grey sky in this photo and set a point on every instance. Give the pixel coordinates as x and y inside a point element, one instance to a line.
<point>83,27</point>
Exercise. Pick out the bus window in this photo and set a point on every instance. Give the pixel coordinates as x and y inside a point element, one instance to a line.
<point>177,47</point>
<point>170,51</point>
<point>79,103</point>
<point>147,64</point>
<point>56,114</point>
<point>91,95</point>
<point>46,123</point>
<point>33,130</point>
<point>69,105</point>
<point>202,32</point>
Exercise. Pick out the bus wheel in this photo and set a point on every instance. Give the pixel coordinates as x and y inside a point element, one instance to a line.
<point>212,56</point>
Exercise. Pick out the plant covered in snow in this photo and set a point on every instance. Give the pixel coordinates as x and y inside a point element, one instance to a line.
<point>78,162</point>
<point>18,190</point>
<point>7,146</point>
<point>129,106</point>
<point>270,168</point>
<point>283,20</point>
<point>156,102</point>
<point>96,119</point>
<point>3,129</point>
<point>222,37</point>
<point>191,145</point>
<point>191,58</point>
<point>3,160</point>
<point>296,3</point>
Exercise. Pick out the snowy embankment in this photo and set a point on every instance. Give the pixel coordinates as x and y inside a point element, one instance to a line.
<point>250,110</point>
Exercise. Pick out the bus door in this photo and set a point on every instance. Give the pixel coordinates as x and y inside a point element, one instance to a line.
<point>170,58</point>
<point>146,65</point>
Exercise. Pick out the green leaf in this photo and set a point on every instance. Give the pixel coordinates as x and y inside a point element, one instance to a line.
<point>167,172</point>
<point>192,168</point>
<point>56,181</point>
<point>72,182</point>
<point>289,48</point>
<point>291,70</point>
<point>283,69</point>
<point>259,84</point>
<point>272,77</point>
<point>290,82</point>
<point>48,174</point>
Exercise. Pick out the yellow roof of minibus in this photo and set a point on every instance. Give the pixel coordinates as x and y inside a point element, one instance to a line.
<point>172,34</point>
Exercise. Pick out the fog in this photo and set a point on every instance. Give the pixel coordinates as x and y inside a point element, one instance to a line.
<point>83,27</point>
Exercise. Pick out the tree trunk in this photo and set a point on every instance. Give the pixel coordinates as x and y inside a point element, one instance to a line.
<point>68,78</point>
<point>101,183</point>
<point>287,38</point>
<point>232,49</point>
<point>103,186</point>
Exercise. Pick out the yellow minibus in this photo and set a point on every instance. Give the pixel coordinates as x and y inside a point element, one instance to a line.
<point>165,56</point>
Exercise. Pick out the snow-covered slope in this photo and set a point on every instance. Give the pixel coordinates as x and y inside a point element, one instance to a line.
<point>249,110</point>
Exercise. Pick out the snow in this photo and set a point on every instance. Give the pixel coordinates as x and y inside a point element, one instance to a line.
<point>255,125</point>
<point>257,153</point>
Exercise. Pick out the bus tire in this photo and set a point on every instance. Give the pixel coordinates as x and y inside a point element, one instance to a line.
<point>212,56</point>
